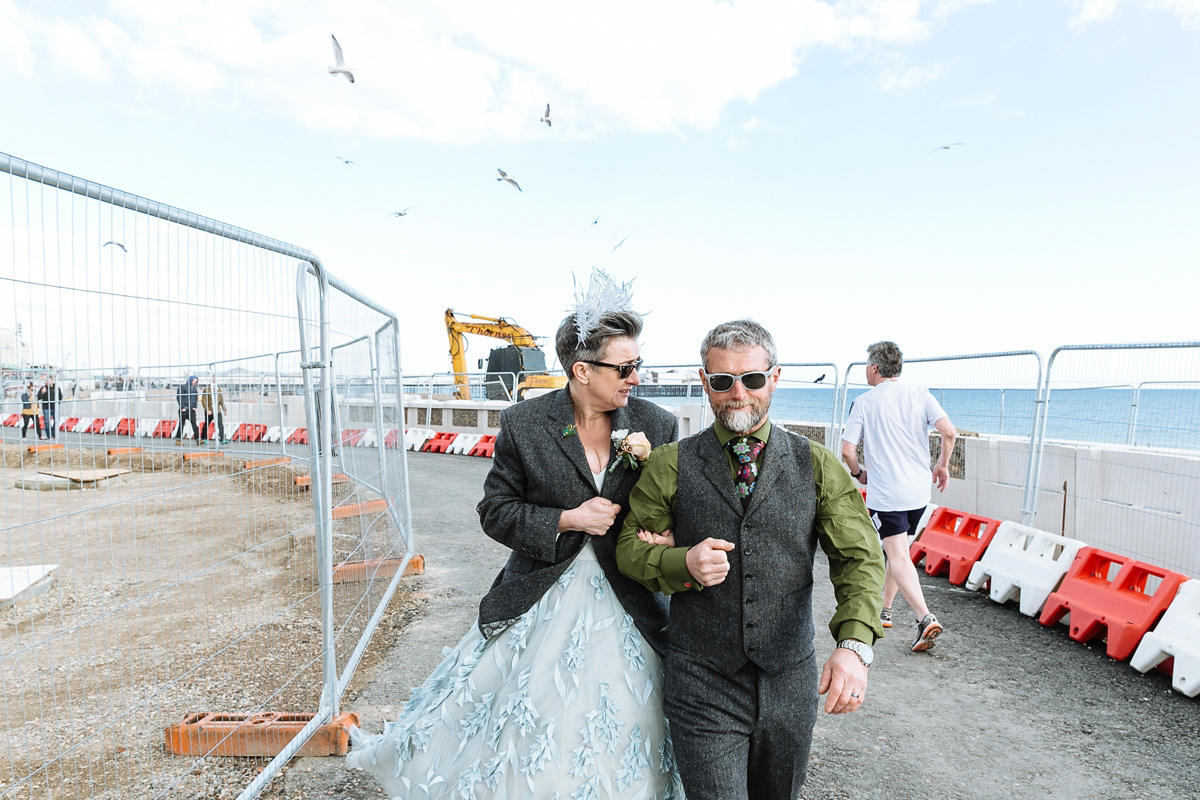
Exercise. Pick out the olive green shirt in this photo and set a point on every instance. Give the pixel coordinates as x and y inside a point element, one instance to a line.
<point>842,525</point>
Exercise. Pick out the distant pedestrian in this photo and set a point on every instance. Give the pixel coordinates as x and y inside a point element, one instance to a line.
<point>892,421</point>
<point>29,412</point>
<point>49,397</point>
<point>188,396</point>
<point>213,400</point>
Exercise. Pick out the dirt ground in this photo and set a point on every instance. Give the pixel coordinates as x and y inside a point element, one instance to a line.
<point>1002,707</point>
<point>181,587</point>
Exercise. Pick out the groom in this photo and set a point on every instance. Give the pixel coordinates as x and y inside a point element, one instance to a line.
<point>747,503</point>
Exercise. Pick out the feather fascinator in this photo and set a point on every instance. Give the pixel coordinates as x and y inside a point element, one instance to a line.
<point>603,295</point>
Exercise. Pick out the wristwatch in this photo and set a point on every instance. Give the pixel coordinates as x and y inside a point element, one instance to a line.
<point>856,474</point>
<point>861,649</point>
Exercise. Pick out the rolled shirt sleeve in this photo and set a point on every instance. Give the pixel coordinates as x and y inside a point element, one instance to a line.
<point>652,507</point>
<point>851,543</point>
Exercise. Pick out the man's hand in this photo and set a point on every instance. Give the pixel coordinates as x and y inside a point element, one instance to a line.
<point>941,476</point>
<point>666,537</point>
<point>845,679</point>
<point>707,561</point>
<point>594,517</point>
<point>862,476</point>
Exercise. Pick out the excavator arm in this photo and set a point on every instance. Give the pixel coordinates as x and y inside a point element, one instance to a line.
<point>495,327</point>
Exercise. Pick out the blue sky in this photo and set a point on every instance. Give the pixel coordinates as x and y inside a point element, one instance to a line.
<point>763,159</point>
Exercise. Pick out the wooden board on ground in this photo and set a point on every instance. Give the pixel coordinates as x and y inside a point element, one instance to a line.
<point>84,475</point>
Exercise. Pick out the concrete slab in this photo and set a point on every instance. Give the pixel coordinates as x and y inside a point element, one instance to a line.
<point>84,475</point>
<point>18,584</point>
<point>48,483</point>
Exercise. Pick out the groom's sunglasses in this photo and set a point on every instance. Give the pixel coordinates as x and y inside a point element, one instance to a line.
<point>622,369</point>
<point>723,381</point>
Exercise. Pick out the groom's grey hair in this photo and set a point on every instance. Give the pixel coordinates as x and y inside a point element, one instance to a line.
<point>741,334</point>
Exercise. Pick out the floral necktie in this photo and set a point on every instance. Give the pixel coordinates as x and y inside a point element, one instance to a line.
<point>746,450</point>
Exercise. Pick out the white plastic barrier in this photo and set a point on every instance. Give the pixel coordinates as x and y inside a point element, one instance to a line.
<point>368,439</point>
<point>286,433</point>
<point>110,425</point>
<point>83,424</point>
<point>273,434</point>
<point>1177,636</point>
<point>1025,560</point>
<point>415,438</point>
<point>146,427</point>
<point>464,442</point>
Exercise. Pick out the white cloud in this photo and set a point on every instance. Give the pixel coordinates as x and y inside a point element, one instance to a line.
<point>16,52</point>
<point>467,72</point>
<point>1089,12</point>
<point>753,124</point>
<point>899,78</point>
<point>736,143</point>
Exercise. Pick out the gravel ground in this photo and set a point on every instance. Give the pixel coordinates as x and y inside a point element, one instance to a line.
<point>181,587</point>
<point>1001,707</point>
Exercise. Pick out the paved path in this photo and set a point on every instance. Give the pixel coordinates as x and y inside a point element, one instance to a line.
<point>1002,707</point>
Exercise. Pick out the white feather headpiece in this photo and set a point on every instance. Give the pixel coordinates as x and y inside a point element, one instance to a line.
<point>603,295</point>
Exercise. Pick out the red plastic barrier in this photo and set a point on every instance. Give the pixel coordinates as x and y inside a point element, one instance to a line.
<point>68,424</point>
<point>439,443</point>
<point>350,436</point>
<point>392,440</point>
<point>96,426</point>
<point>12,420</point>
<point>1121,605</point>
<point>249,432</point>
<point>485,447</point>
<point>299,436</point>
<point>164,429</point>
<point>127,427</point>
<point>953,540</point>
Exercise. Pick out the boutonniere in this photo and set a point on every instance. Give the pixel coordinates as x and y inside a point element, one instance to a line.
<point>569,430</point>
<point>632,449</point>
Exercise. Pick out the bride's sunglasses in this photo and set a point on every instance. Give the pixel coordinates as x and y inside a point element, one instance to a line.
<point>622,369</point>
<point>723,381</point>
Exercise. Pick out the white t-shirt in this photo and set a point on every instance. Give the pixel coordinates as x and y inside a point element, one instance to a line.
<point>893,420</point>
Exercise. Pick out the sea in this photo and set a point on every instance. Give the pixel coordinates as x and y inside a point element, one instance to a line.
<point>1161,418</point>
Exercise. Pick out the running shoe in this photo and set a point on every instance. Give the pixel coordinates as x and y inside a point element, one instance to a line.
<point>928,630</point>
<point>885,618</point>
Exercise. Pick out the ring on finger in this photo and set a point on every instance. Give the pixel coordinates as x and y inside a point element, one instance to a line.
<point>852,694</point>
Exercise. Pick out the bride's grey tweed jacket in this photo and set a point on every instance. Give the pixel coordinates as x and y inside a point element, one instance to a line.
<point>539,469</point>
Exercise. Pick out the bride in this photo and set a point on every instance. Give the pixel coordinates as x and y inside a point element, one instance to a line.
<point>557,693</point>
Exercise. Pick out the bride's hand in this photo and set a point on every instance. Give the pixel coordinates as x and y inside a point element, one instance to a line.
<point>666,537</point>
<point>594,517</point>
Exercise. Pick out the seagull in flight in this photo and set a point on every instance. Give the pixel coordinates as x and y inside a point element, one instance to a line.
<point>403,213</point>
<point>504,177</point>
<point>947,146</point>
<point>115,244</point>
<point>345,161</point>
<point>546,117</point>
<point>597,219</point>
<point>619,244</point>
<point>340,68</point>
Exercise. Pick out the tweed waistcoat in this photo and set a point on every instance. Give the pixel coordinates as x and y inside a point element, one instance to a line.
<point>762,611</point>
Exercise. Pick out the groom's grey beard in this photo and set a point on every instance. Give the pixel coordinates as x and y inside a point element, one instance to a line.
<point>743,420</point>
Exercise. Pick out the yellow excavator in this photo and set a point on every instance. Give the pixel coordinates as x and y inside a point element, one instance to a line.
<point>522,358</point>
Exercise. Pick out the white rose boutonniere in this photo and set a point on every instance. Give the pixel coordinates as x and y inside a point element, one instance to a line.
<point>632,449</point>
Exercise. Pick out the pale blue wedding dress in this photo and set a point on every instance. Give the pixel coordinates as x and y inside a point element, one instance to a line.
<point>565,704</point>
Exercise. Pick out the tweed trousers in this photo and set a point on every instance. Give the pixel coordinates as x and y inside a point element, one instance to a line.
<point>744,736</point>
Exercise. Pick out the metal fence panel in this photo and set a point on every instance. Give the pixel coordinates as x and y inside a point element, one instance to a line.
<point>991,399</point>
<point>1118,457</point>
<point>180,577</point>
